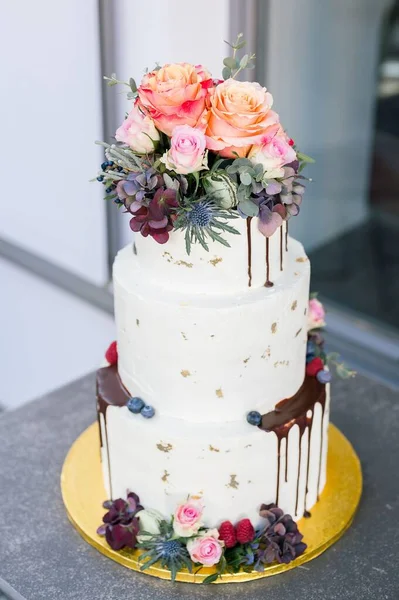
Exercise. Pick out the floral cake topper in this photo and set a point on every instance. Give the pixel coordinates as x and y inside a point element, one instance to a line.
<point>194,153</point>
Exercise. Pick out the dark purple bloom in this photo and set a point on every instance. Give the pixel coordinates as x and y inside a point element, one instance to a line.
<point>271,214</point>
<point>280,540</point>
<point>138,186</point>
<point>120,524</point>
<point>156,219</point>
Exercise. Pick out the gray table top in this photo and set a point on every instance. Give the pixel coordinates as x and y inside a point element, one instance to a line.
<point>43,557</point>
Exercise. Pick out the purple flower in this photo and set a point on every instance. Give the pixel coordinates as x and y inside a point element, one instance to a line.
<point>138,185</point>
<point>120,524</point>
<point>156,219</point>
<point>271,215</point>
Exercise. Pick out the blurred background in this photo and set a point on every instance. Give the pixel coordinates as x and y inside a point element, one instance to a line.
<point>333,69</point>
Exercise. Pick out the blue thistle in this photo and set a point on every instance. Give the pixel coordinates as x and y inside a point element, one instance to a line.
<point>204,219</point>
<point>172,554</point>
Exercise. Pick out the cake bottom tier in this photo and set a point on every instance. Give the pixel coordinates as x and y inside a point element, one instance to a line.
<point>234,467</point>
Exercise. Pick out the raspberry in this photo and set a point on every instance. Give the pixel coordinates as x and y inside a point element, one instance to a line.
<point>245,531</point>
<point>227,534</point>
<point>111,354</point>
<point>291,142</point>
<point>314,366</point>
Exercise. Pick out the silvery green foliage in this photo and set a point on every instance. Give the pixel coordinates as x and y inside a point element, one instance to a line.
<point>232,65</point>
<point>250,180</point>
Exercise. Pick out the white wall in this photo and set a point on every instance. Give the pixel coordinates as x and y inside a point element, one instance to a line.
<point>50,116</point>
<point>167,31</point>
<point>321,68</point>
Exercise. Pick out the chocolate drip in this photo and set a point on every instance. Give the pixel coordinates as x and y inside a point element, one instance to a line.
<point>278,468</point>
<point>110,389</point>
<point>293,411</point>
<point>268,283</point>
<point>321,449</point>
<point>249,242</point>
<point>286,236</point>
<point>281,248</point>
<point>286,460</point>
<point>307,514</point>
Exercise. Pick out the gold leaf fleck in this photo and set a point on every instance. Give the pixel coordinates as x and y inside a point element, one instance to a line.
<point>212,449</point>
<point>246,360</point>
<point>183,335</point>
<point>248,446</point>
<point>137,322</point>
<point>281,363</point>
<point>168,256</point>
<point>164,447</point>
<point>213,335</point>
<point>215,261</point>
<point>298,332</point>
<point>183,263</point>
<point>233,483</point>
<point>219,393</point>
<point>134,249</point>
<point>294,305</point>
<point>249,481</point>
<point>305,311</point>
<point>266,353</point>
<point>302,259</point>
<point>274,327</point>
<point>185,373</point>
<point>165,476</point>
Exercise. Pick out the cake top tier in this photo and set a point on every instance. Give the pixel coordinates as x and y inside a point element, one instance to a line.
<point>252,261</point>
<point>194,155</point>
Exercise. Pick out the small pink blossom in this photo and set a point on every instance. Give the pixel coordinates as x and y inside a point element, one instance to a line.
<point>273,154</point>
<point>138,132</point>
<point>316,314</point>
<point>206,549</point>
<point>187,518</point>
<point>187,151</point>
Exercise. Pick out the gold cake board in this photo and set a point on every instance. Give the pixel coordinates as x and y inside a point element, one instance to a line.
<point>83,494</point>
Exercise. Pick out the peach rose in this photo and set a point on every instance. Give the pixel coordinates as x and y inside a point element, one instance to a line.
<point>273,154</point>
<point>240,116</point>
<point>206,549</point>
<point>187,518</point>
<point>174,95</point>
<point>138,132</point>
<point>187,151</point>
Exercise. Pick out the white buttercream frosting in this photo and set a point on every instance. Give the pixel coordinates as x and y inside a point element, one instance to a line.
<point>203,348</point>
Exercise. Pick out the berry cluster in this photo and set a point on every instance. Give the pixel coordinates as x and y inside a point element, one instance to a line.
<point>107,166</point>
<point>137,406</point>
<point>242,533</point>
<point>315,367</point>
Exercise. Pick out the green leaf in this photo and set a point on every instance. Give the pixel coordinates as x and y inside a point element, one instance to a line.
<point>305,158</point>
<point>230,63</point>
<point>239,46</point>
<point>210,578</point>
<point>245,178</point>
<point>133,85</point>
<point>244,61</point>
<point>226,73</point>
<point>249,208</point>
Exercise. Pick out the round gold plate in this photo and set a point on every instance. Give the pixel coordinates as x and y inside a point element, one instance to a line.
<point>83,494</point>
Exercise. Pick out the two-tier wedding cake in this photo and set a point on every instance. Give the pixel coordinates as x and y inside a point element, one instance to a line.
<point>213,406</point>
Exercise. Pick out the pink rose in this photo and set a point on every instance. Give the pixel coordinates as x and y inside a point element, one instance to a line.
<point>187,151</point>
<point>240,116</point>
<point>273,154</point>
<point>176,94</point>
<point>316,314</point>
<point>207,549</point>
<point>187,518</point>
<point>138,132</point>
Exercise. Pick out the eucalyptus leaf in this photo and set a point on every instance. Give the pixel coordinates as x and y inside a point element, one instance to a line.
<point>245,178</point>
<point>230,62</point>
<point>226,73</point>
<point>305,158</point>
<point>248,208</point>
<point>133,85</point>
<point>244,61</point>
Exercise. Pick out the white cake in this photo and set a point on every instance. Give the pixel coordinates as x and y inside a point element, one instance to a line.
<point>204,341</point>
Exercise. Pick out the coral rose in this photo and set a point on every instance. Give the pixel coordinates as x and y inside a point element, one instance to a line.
<point>138,132</point>
<point>207,549</point>
<point>240,116</point>
<point>174,95</point>
<point>187,518</point>
<point>187,151</point>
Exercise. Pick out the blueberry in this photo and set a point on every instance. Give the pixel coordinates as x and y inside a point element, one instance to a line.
<point>100,178</point>
<point>148,411</point>
<point>254,418</point>
<point>108,190</point>
<point>117,201</point>
<point>135,405</point>
<point>309,357</point>
<point>110,163</point>
<point>104,165</point>
<point>323,376</point>
<point>120,169</point>
<point>310,347</point>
